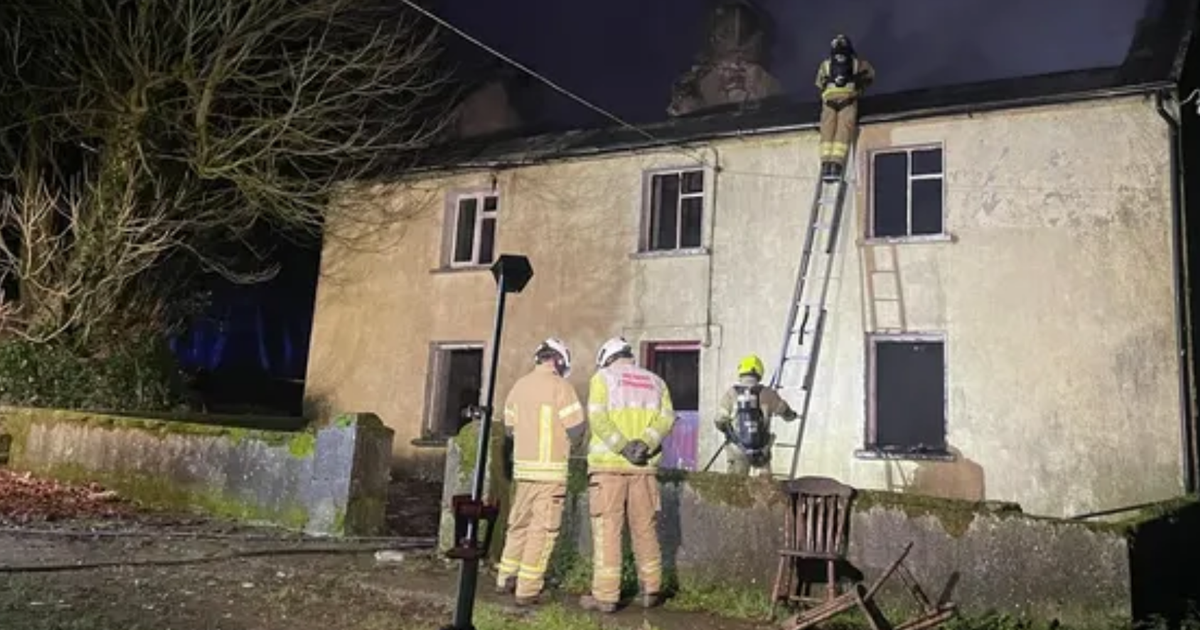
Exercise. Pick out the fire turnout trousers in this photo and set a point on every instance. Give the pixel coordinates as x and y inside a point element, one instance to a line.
<point>611,498</point>
<point>839,119</point>
<point>533,525</point>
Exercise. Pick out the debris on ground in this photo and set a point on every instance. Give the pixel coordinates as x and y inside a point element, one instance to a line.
<point>27,499</point>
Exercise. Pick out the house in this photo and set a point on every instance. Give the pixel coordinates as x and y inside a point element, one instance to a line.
<point>1008,312</point>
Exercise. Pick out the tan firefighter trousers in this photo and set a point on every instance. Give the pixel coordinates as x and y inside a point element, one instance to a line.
<point>837,130</point>
<point>533,525</point>
<point>611,499</point>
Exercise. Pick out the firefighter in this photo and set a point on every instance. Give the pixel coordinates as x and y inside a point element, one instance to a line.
<point>543,419</point>
<point>841,78</point>
<point>744,417</point>
<point>630,414</point>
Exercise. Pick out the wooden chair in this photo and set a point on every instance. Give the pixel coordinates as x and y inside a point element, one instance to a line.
<point>816,529</point>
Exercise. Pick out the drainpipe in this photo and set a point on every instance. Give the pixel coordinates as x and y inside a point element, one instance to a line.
<point>1183,330</point>
<point>712,236</point>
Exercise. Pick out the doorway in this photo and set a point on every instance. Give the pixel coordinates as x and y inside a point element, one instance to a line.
<point>678,364</point>
<point>455,383</point>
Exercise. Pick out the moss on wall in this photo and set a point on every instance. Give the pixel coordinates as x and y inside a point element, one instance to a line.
<point>155,492</point>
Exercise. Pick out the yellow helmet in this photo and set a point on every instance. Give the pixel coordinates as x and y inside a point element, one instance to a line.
<point>751,364</point>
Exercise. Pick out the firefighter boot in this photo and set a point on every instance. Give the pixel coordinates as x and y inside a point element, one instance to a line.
<point>508,588</point>
<point>832,172</point>
<point>648,600</point>
<point>587,602</point>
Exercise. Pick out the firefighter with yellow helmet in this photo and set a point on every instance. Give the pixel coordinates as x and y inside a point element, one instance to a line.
<point>630,415</point>
<point>744,417</point>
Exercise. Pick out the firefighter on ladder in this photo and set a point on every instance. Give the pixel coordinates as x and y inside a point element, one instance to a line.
<point>630,414</point>
<point>542,418</point>
<point>744,417</point>
<point>841,78</point>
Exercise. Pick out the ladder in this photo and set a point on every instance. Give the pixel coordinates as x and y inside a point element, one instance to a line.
<point>797,362</point>
<point>885,303</point>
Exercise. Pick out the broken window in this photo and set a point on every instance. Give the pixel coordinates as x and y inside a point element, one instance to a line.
<point>474,224</point>
<point>676,211</point>
<point>455,383</point>
<point>906,193</point>
<point>908,395</point>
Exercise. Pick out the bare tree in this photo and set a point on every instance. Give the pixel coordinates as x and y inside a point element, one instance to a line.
<point>139,131</point>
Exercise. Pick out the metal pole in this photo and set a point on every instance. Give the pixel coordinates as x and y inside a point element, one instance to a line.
<point>468,573</point>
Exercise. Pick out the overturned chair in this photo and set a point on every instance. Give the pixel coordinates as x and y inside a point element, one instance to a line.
<point>816,532</point>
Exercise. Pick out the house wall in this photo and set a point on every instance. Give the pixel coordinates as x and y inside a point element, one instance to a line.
<point>1052,289</point>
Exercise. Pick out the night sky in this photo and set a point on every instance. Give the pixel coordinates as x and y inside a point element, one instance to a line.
<point>624,54</point>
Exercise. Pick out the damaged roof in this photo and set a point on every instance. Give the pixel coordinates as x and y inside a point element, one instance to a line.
<point>1153,61</point>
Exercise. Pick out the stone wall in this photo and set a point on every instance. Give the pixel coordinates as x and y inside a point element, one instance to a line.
<point>723,531</point>
<point>331,481</point>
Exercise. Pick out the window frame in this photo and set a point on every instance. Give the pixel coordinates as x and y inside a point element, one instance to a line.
<point>871,448</point>
<point>645,234</point>
<point>456,199</point>
<point>436,388</point>
<point>908,237</point>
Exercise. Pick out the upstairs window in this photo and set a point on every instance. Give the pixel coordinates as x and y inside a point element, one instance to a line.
<point>675,214</point>
<point>474,225</point>
<point>906,193</point>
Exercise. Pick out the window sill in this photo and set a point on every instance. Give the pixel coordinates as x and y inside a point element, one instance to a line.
<point>430,442</point>
<point>461,269</point>
<point>905,240</point>
<point>670,253</point>
<point>926,456</point>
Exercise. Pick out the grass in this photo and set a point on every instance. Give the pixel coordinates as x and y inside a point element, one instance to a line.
<point>551,617</point>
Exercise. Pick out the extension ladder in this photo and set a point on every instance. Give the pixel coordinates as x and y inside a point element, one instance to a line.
<point>797,362</point>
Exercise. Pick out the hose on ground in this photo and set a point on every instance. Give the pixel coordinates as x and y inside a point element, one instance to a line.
<point>218,557</point>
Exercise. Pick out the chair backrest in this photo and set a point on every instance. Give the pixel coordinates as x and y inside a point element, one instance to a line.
<point>819,517</point>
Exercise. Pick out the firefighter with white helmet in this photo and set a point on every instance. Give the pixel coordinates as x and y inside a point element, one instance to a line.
<point>543,418</point>
<point>630,414</point>
<point>744,417</point>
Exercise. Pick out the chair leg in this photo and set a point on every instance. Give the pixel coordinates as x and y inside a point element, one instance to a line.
<point>779,590</point>
<point>830,583</point>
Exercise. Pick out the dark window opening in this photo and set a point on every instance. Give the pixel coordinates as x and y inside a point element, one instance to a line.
<point>5,448</point>
<point>457,380</point>
<point>907,193</point>
<point>909,414</point>
<point>679,368</point>
<point>474,238</point>
<point>676,214</point>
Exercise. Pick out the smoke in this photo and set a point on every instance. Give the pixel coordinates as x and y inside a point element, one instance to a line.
<point>624,54</point>
<point>926,43</point>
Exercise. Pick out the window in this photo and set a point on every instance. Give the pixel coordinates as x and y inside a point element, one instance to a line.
<point>906,193</point>
<point>676,211</point>
<point>474,230</point>
<point>907,412</point>
<point>455,383</point>
<point>678,364</point>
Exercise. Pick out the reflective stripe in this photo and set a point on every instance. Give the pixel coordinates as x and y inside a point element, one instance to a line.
<point>545,432</point>
<point>596,408</point>
<point>599,448</point>
<point>568,410</point>
<point>613,440</point>
<point>538,471</point>
<point>510,412</point>
<point>653,435</point>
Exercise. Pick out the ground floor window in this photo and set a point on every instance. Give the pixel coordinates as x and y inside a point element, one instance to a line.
<point>455,383</point>
<point>678,364</point>
<point>906,394</point>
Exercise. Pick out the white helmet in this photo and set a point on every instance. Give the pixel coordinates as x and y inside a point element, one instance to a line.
<point>558,346</point>
<point>610,349</point>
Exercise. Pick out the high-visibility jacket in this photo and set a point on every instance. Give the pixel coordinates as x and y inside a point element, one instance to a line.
<point>864,75</point>
<point>626,402</point>
<point>544,415</point>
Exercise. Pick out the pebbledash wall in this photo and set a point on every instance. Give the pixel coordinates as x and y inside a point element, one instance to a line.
<point>1051,286</point>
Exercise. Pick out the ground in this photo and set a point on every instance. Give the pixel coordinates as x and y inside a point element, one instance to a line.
<point>98,564</point>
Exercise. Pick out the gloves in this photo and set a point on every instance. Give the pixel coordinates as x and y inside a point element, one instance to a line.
<point>637,452</point>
